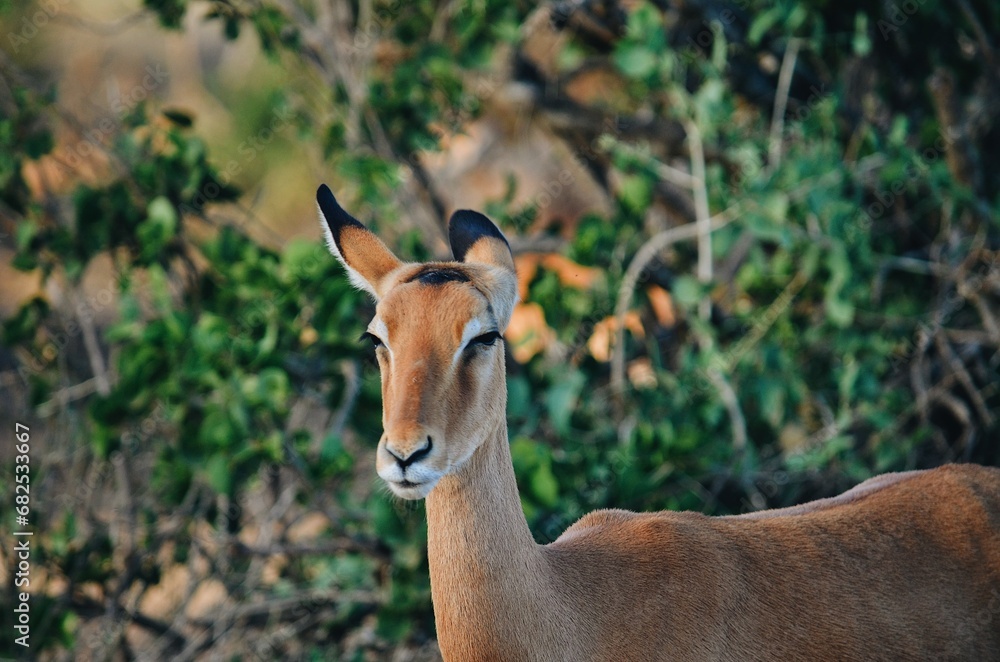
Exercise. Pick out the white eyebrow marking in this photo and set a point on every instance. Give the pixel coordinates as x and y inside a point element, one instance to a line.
<point>472,329</point>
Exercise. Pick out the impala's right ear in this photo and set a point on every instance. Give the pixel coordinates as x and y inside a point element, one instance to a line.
<point>475,239</point>
<point>365,257</point>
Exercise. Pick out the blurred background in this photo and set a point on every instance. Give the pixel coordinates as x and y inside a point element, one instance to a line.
<point>757,243</point>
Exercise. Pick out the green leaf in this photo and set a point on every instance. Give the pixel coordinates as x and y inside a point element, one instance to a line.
<point>217,473</point>
<point>686,290</point>
<point>839,311</point>
<point>544,486</point>
<point>38,143</point>
<point>23,325</point>
<point>775,207</point>
<point>635,61</point>
<point>561,400</point>
<point>170,12</point>
<point>159,287</point>
<point>635,192</point>
<point>27,230</point>
<point>845,384</point>
<point>159,227</point>
<point>181,118</point>
<point>270,340</point>
<point>231,27</point>
<point>762,23</point>
<point>707,100</point>
<point>862,42</point>
<point>335,459</point>
<point>772,401</point>
<point>304,258</point>
<point>275,388</point>
<point>795,19</point>
<point>347,571</point>
<point>719,47</point>
<point>899,133</point>
<point>519,397</point>
<point>216,429</point>
<point>811,260</point>
<point>26,262</point>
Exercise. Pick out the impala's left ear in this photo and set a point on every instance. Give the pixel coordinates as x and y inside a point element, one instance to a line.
<point>365,257</point>
<point>476,240</point>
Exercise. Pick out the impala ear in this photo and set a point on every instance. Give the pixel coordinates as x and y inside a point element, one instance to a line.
<point>365,257</point>
<point>476,240</point>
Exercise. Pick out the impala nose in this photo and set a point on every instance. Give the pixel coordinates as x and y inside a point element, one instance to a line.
<point>409,456</point>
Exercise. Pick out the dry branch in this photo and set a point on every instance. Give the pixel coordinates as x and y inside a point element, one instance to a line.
<point>646,253</point>
<point>781,103</point>
<point>699,188</point>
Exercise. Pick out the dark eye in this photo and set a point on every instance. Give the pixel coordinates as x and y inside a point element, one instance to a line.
<point>373,339</point>
<point>485,339</point>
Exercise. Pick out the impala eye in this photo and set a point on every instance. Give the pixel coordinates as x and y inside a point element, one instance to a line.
<point>373,339</point>
<point>485,339</point>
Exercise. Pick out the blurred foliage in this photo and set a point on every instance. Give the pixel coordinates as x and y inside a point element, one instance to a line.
<point>866,266</point>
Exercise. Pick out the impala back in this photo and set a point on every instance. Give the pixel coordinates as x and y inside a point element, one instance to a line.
<point>903,567</point>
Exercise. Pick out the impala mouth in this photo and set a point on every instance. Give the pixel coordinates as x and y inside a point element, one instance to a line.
<point>410,490</point>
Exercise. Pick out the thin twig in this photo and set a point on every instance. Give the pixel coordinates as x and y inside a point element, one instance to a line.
<point>439,28</point>
<point>914,265</point>
<point>94,354</point>
<point>961,414</point>
<point>990,323</point>
<point>646,253</point>
<point>536,244</point>
<point>916,408</point>
<point>64,396</point>
<point>103,28</point>
<point>323,548</point>
<point>781,103</point>
<point>981,35</point>
<point>764,322</point>
<point>917,372</point>
<point>699,189</point>
<point>352,387</point>
<point>665,172</point>
<point>737,421</point>
<point>278,605</point>
<point>124,528</point>
<point>969,337</point>
<point>84,606</point>
<point>957,367</point>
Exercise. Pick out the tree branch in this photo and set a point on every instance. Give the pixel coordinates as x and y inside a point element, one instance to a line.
<point>704,220</point>
<point>643,257</point>
<point>781,102</point>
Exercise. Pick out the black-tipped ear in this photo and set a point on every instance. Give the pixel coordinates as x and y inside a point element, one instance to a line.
<point>336,218</point>
<point>475,240</point>
<point>365,257</point>
<point>466,228</point>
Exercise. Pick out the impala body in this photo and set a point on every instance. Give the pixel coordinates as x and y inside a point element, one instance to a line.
<point>902,567</point>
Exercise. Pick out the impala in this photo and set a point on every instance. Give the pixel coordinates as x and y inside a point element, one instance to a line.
<point>904,566</point>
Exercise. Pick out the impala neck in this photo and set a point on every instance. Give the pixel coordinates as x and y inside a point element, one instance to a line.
<point>486,570</point>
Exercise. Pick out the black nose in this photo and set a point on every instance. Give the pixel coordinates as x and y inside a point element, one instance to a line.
<point>415,456</point>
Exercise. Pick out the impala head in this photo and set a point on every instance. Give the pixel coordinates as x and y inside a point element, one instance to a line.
<point>436,333</point>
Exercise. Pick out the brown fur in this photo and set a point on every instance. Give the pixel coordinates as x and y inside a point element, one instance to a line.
<point>902,567</point>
